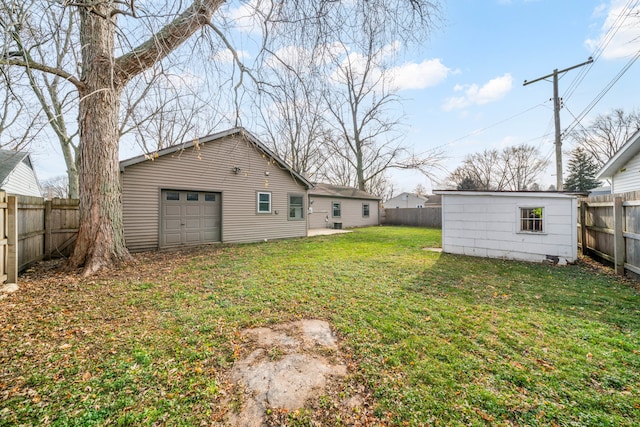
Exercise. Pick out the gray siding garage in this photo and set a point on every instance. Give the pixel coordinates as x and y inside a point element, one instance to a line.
<point>226,187</point>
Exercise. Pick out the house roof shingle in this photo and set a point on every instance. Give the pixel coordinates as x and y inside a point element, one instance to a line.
<point>331,190</point>
<point>8,161</point>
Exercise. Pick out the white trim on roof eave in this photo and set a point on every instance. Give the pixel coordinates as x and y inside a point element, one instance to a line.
<point>505,194</point>
<point>621,157</point>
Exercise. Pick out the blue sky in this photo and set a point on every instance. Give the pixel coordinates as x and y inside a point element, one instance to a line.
<point>490,48</point>
<point>463,90</point>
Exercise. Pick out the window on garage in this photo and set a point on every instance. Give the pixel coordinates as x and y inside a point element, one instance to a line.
<point>172,195</point>
<point>264,202</point>
<point>296,206</point>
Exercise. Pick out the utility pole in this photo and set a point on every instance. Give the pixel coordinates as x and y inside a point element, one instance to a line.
<point>557,104</point>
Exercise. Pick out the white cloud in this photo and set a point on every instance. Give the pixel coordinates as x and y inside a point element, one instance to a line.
<point>427,73</point>
<point>491,91</point>
<point>226,57</point>
<point>620,43</point>
<point>247,16</point>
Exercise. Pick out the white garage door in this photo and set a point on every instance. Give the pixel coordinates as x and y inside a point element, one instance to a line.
<point>190,218</point>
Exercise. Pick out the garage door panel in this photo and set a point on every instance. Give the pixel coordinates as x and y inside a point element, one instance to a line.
<point>193,223</point>
<point>172,210</point>
<point>171,225</point>
<point>193,237</point>
<point>173,238</point>
<point>192,210</point>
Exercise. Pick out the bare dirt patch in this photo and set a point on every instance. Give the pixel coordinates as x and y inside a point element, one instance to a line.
<point>287,366</point>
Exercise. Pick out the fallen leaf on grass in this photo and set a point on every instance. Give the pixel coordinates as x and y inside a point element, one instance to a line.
<point>545,365</point>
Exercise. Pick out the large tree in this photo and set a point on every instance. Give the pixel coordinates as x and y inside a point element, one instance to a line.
<point>120,40</point>
<point>604,136</point>
<point>360,102</point>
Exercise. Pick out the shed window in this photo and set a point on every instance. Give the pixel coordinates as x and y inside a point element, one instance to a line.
<point>172,195</point>
<point>264,202</point>
<point>336,209</point>
<point>192,197</point>
<point>531,219</point>
<point>365,210</point>
<point>296,206</point>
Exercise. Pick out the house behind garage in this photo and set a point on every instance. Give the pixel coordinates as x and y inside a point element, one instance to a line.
<point>334,206</point>
<point>528,226</point>
<point>226,187</point>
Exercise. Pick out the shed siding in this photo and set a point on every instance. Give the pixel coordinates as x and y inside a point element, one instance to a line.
<point>489,227</point>
<point>22,180</point>
<point>351,212</point>
<point>208,167</point>
<point>628,179</point>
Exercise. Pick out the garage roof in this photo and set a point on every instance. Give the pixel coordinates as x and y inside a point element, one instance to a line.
<point>213,137</point>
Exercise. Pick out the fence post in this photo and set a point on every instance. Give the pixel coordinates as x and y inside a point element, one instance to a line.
<point>618,238</point>
<point>47,230</point>
<point>12,239</point>
<point>583,227</point>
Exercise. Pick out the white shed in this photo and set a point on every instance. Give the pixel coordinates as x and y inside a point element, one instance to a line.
<point>527,226</point>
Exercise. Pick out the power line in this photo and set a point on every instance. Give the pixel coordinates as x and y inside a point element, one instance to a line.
<point>602,93</point>
<point>603,44</point>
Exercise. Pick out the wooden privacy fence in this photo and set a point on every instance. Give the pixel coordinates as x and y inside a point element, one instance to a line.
<point>32,229</point>
<point>428,216</point>
<point>609,229</point>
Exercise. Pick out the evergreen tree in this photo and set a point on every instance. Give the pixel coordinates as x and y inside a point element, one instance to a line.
<point>582,171</point>
<point>467,183</point>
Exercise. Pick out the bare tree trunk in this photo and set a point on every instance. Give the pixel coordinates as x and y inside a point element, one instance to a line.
<point>100,240</point>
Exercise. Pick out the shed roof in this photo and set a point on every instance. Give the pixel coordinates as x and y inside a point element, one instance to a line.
<point>549,194</point>
<point>621,157</point>
<point>213,137</point>
<point>9,159</point>
<point>331,190</point>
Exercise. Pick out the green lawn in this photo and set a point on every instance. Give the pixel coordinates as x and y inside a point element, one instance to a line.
<point>431,338</point>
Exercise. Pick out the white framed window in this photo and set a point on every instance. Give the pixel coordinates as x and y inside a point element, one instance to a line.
<point>264,202</point>
<point>365,210</point>
<point>531,219</point>
<point>296,207</point>
<point>336,209</point>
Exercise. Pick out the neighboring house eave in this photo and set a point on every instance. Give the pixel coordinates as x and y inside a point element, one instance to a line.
<point>9,161</point>
<point>213,137</point>
<point>630,149</point>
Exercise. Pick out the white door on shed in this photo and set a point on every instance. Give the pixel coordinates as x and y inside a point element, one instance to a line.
<point>189,217</point>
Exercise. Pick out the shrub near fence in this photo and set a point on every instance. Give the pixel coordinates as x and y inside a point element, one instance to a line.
<point>429,216</point>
